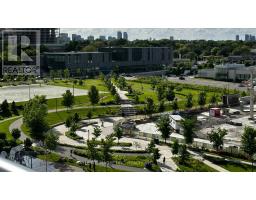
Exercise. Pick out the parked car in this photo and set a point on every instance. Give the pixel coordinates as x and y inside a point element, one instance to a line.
<point>182,78</point>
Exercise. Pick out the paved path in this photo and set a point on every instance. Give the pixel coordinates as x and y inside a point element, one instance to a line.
<point>17,124</point>
<point>63,150</point>
<point>207,162</point>
<point>169,164</point>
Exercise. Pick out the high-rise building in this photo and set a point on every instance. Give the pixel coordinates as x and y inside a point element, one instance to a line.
<point>237,37</point>
<point>90,38</point>
<point>247,37</point>
<point>171,38</point>
<point>76,37</point>
<point>125,35</point>
<point>63,38</point>
<point>119,35</point>
<point>102,37</point>
<point>47,35</point>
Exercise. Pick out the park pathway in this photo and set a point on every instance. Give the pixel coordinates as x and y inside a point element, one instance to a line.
<point>207,162</point>
<point>169,165</point>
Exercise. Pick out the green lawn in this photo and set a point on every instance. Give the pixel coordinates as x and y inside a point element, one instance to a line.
<point>4,127</point>
<point>231,166</point>
<point>79,101</point>
<point>54,118</point>
<point>145,90</point>
<point>87,84</point>
<point>193,165</point>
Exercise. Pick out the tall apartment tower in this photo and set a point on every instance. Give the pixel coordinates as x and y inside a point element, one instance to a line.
<point>237,37</point>
<point>125,35</point>
<point>247,37</point>
<point>119,35</point>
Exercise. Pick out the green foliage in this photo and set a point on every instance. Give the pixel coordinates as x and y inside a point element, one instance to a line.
<point>121,82</point>
<point>161,106</point>
<point>15,133</point>
<point>106,149</point>
<point>118,131</point>
<point>217,137</point>
<point>248,141</point>
<point>97,131</point>
<point>66,73</point>
<point>156,155</point>
<point>170,95</point>
<point>68,99</point>
<point>189,101</point>
<point>5,109</point>
<point>51,141</point>
<point>202,98</point>
<point>92,151</point>
<point>27,143</point>
<point>213,99</point>
<point>150,106</point>
<point>93,95</point>
<point>151,146</point>
<point>175,105</point>
<point>184,155</point>
<point>161,92</point>
<point>34,116</point>
<point>163,125</point>
<point>175,147</point>
<point>188,126</point>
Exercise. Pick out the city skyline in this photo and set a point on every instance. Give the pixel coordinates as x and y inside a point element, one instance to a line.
<point>165,33</point>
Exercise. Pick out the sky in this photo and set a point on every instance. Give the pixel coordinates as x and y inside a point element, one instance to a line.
<point>161,33</point>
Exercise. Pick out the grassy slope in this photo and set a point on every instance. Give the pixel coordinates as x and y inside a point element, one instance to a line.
<point>193,165</point>
<point>4,127</point>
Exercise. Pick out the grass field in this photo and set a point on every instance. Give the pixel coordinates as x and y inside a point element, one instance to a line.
<point>231,166</point>
<point>193,165</point>
<point>145,90</point>
<point>86,84</point>
<point>79,101</point>
<point>4,127</point>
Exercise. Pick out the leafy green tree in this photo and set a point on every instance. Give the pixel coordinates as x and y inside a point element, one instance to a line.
<point>106,149</point>
<point>34,117</point>
<point>201,99</point>
<point>16,133</point>
<point>97,131</point>
<point>121,82</point>
<point>92,151</point>
<point>94,95</point>
<point>5,109</point>
<point>189,101</point>
<point>68,99</point>
<point>14,108</point>
<point>151,146</point>
<point>117,98</point>
<point>213,99</point>
<point>76,118</point>
<point>69,121</point>
<point>175,105</point>
<point>163,125</point>
<point>184,155</point>
<point>175,147</point>
<point>161,106</point>
<point>80,82</point>
<point>170,95</point>
<point>156,155</point>
<point>136,99</point>
<point>89,114</point>
<point>188,126</point>
<point>51,141</point>
<point>66,73</point>
<point>248,140</point>
<point>160,92</point>
<point>118,131</point>
<point>78,72</point>
<point>150,106</point>
<point>217,137</point>
<point>27,143</point>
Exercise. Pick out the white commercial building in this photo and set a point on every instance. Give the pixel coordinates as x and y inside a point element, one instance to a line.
<point>227,72</point>
<point>175,122</point>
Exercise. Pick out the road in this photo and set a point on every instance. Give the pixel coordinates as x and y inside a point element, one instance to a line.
<point>208,82</point>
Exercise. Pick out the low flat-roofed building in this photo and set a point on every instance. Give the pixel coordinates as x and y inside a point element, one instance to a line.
<point>130,59</point>
<point>175,121</point>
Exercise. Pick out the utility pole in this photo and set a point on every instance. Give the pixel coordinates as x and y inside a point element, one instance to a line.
<point>252,98</point>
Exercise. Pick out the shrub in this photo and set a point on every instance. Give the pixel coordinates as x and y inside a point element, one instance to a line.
<point>2,135</point>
